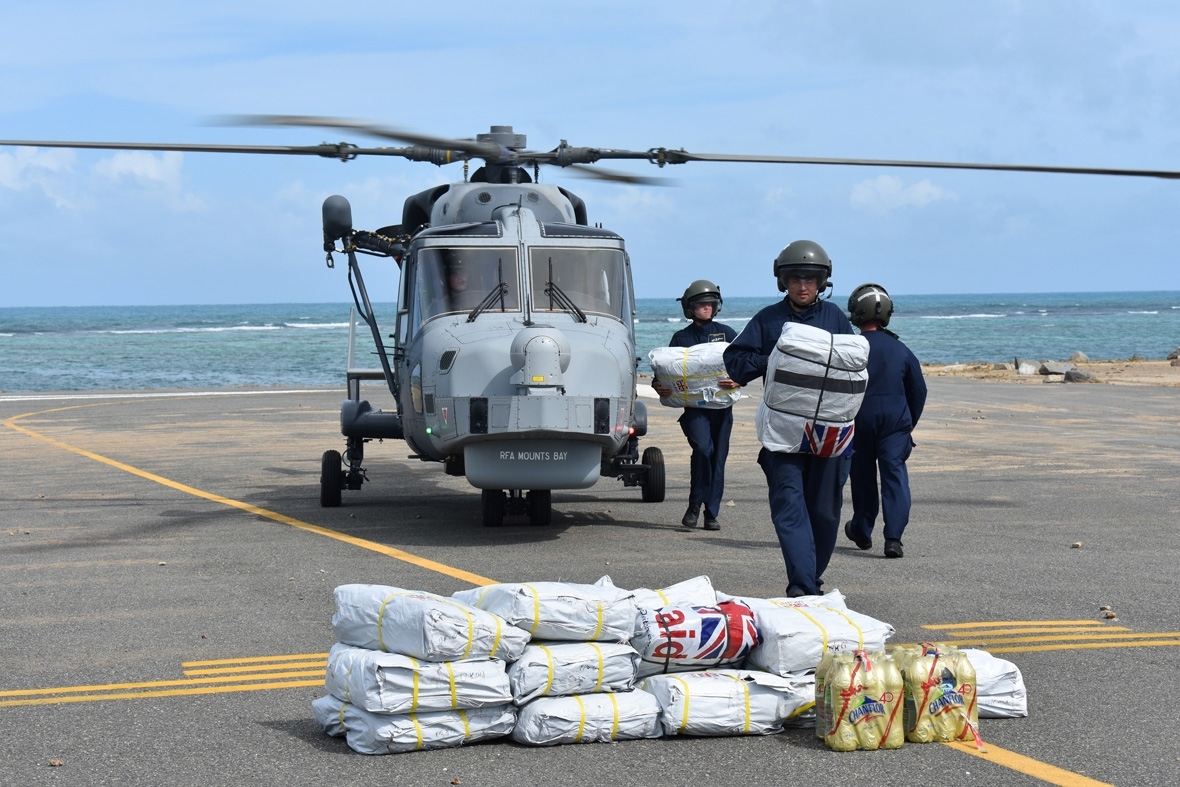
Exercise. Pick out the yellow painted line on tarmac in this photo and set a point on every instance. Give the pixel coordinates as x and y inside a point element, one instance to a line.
<point>1149,643</point>
<point>397,554</point>
<point>1027,765</point>
<point>140,695</point>
<point>244,671</point>
<point>161,688</point>
<point>1026,636</point>
<point>1004,623</point>
<point>254,660</point>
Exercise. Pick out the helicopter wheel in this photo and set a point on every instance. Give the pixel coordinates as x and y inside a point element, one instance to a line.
<point>493,507</point>
<point>331,479</point>
<point>653,479</point>
<point>540,507</point>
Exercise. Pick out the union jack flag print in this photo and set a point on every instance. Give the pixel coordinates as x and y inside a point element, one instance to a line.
<point>829,440</point>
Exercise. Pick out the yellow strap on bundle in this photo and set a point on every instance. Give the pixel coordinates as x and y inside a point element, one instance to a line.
<point>746,689</point>
<point>582,721</point>
<point>823,631</point>
<point>860,635</point>
<point>417,730</point>
<point>601,668</point>
<point>549,661</point>
<point>684,720</point>
<point>466,725</point>
<point>451,679</point>
<point>598,628</point>
<point>536,608</point>
<point>614,727</point>
<point>414,692</point>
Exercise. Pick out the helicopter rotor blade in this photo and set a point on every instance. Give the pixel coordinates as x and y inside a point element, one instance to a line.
<point>614,176</point>
<point>489,151</point>
<point>661,156</point>
<point>344,151</point>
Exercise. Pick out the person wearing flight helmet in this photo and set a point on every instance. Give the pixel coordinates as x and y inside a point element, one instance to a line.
<point>893,403</point>
<point>806,491</point>
<point>707,430</point>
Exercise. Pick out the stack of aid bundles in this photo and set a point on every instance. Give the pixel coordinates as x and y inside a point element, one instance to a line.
<point>693,374</point>
<point>416,671</point>
<point>575,682</point>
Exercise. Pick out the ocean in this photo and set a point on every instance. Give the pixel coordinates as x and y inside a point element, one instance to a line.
<point>305,344</point>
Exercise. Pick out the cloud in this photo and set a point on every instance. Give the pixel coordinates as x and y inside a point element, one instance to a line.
<point>143,167</point>
<point>887,193</point>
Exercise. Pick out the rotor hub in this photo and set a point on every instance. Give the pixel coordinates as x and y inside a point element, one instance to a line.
<point>505,136</point>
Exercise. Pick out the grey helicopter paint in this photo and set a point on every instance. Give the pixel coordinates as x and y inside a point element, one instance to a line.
<point>514,346</point>
<point>519,374</point>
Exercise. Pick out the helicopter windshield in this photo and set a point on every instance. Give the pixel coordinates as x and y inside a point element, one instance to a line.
<point>461,279</point>
<point>594,280</point>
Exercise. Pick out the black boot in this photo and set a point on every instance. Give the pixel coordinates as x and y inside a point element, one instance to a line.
<point>691,515</point>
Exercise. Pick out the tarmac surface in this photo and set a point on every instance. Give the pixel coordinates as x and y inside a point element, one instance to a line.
<point>167,577</point>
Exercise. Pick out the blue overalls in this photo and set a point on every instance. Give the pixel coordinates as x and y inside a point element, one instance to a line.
<point>707,430</point>
<point>806,491</point>
<point>893,403</point>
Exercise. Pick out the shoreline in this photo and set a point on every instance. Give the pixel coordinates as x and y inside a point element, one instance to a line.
<point>1153,372</point>
<point>1134,371</point>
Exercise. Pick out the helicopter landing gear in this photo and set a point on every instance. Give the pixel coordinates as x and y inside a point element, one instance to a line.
<point>494,505</point>
<point>536,504</point>
<point>334,479</point>
<point>539,503</point>
<point>653,479</point>
<point>331,479</point>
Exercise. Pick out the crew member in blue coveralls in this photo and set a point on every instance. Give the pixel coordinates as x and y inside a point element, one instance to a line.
<point>806,491</point>
<point>893,403</point>
<point>707,430</point>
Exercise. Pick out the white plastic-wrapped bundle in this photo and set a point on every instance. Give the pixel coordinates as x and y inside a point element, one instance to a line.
<point>562,611</point>
<point>729,701</point>
<point>815,382</point>
<point>795,636</point>
<point>695,592</point>
<point>679,639</point>
<point>561,668</point>
<point>833,599</point>
<point>588,718</point>
<point>380,733</point>
<point>999,686</point>
<point>392,683</point>
<point>693,374</point>
<point>422,625</point>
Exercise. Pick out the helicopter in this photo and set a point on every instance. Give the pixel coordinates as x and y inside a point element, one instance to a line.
<point>512,361</point>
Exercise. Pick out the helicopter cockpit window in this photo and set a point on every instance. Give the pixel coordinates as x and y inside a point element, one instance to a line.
<point>462,279</point>
<point>594,280</point>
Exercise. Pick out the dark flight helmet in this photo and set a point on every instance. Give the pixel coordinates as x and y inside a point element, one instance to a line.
<point>701,290</point>
<point>803,256</point>
<point>869,302</point>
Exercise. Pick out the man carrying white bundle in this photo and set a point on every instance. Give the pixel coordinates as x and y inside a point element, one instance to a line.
<point>806,489</point>
<point>707,429</point>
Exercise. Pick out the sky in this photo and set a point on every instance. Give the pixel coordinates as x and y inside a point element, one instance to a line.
<point>1055,82</point>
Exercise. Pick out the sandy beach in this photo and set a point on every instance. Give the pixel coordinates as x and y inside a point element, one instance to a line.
<point>1124,372</point>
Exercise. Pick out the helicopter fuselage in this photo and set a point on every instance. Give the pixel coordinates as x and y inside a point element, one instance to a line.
<point>514,343</point>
